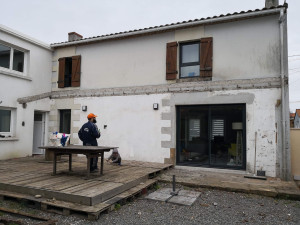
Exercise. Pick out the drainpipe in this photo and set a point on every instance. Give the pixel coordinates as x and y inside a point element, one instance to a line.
<point>285,161</point>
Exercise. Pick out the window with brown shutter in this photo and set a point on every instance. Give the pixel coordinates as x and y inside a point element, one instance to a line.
<point>171,61</point>
<point>69,72</point>
<point>206,52</point>
<point>195,58</point>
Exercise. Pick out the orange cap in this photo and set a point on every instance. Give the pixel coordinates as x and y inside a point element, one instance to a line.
<point>91,115</point>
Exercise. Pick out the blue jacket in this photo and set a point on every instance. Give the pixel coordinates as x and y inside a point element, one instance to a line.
<point>89,133</point>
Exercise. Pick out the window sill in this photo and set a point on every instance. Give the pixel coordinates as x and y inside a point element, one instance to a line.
<point>9,139</point>
<point>193,79</point>
<point>14,74</point>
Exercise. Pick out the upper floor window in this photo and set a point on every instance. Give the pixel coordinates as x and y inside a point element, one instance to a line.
<point>11,58</point>
<point>195,59</point>
<point>190,59</point>
<point>69,72</point>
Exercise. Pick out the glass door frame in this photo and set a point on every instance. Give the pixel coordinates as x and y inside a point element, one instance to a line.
<point>178,129</point>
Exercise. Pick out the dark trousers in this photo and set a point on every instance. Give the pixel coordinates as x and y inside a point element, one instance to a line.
<point>93,161</point>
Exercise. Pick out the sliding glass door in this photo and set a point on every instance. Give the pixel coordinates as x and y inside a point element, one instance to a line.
<point>211,136</point>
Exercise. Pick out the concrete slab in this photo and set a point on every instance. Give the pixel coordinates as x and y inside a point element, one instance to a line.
<point>184,197</point>
<point>272,187</point>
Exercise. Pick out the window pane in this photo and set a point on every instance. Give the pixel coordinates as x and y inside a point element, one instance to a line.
<point>190,53</point>
<point>190,71</point>
<point>65,121</point>
<point>4,56</point>
<point>18,59</point>
<point>5,116</point>
<point>217,128</point>
<point>194,129</point>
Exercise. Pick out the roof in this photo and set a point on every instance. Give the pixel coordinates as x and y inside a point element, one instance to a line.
<point>24,37</point>
<point>179,25</point>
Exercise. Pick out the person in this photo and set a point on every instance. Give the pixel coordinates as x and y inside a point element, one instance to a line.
<point>115,157</point>
<point>88,134</point>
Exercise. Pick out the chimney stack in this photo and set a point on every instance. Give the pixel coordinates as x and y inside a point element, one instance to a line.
<point>271,3</point>
<point>73,36</point>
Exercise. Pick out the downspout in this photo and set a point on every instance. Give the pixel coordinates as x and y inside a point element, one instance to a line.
<point>285,171</point>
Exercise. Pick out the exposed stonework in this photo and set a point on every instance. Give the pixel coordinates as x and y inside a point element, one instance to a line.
<point>172,159</point>
<point>183,87</point>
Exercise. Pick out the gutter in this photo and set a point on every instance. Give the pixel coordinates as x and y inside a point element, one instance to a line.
<point>170,27</point>
<point>285,172</point>
<point>24,37</point>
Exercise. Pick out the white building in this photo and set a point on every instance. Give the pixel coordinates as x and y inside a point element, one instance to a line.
<point>209,93</point>
<point>25,70</point>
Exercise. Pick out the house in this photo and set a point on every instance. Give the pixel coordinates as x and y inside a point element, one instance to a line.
<point>297,119</point>
<point>25,70</point>
<point>210,92</point>
<point>292,120</point>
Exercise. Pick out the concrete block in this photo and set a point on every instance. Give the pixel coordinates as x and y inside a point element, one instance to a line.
<point>166,130</point>
<point>166,144</point>
<point>166,116</point>
<point>76,106</point>
<point>53,118</point>
<point>165,102</point>
<point>75,117</point>
<point>75,129</point>
<point>54,68</point>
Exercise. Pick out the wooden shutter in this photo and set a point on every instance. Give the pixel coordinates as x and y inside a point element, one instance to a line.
<point>171,62</point>
<point>76,61</point>
<point>61,72</point>
<point>206,54</point>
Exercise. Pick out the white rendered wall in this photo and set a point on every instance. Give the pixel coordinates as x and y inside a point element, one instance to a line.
<point>261,117</point>
<point>241,50</point>
<point>12,87</point>
<point>132,125</point>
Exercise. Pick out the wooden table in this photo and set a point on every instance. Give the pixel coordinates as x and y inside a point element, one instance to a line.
<point>88,151</point>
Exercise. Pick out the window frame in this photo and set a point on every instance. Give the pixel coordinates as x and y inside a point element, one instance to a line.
<point>181,64</point>
<point>10,70</point>
<point>12,122</point>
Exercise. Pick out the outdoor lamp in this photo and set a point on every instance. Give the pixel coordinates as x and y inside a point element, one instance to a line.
<point>155,106</point>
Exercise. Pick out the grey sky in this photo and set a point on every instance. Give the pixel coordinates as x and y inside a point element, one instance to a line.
<point>50,21</point>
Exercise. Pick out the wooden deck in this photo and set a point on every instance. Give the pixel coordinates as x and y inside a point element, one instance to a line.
<point>27,177</point>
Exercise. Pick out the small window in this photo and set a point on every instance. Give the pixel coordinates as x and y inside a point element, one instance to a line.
<point>69,72</point>
<point>18,61</point>
<point>190,59</point>
<point>65,121</point>
<point>4,56</point>
<point>11,58</point>
<point>5,121</point>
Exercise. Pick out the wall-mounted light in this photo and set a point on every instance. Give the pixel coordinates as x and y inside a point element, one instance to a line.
<point>84,108</point>
<point>155,106</point>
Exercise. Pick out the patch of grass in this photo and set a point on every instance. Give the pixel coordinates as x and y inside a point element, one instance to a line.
<point>156,186</point>
<point>117,206</point>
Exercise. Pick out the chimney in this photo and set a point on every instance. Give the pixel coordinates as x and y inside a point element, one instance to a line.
<point>73,36</point>
<point>271,3</point>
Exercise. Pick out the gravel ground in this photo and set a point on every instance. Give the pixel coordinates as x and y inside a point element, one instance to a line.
<point>213,207</point>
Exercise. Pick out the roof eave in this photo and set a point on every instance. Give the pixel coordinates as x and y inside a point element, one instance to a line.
<point>171,27</point>
<point>24,37</point>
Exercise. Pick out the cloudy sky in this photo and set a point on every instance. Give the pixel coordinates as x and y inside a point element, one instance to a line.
<point>51,20</point>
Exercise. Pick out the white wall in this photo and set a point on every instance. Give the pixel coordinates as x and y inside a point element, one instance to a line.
<point>37,81</point>
<point>132,125</point>
<point>261,117</point>
<point>241,50</point>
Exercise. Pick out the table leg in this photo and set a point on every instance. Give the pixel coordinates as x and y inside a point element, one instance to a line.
<point>54,164</point>
<point>70,162</point>
<point>88,165</point>
<point>102,161</point>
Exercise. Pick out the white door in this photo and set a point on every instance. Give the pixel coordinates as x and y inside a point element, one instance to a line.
<point>38,133</point>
